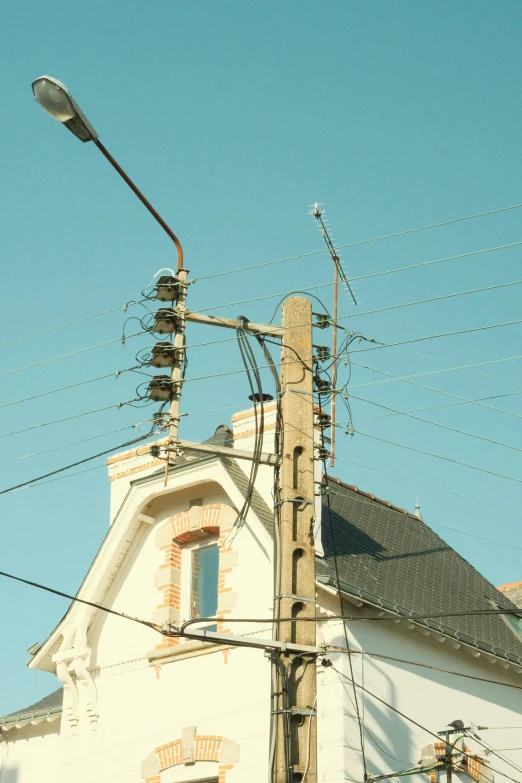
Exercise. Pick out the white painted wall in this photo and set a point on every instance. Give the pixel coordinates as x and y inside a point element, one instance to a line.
<point>30,754</point>
<point>431,698</point>
<point>142,707</point>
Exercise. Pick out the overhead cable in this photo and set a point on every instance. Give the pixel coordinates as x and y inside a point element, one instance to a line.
<point>467,400</point>
<point>57,421</point>
<point>444,405</point>
<point>77,600</point>
<point>437,424</point>
<point>67,355</point>
<point>380,274</point>
<point>69,323</point>
<point>65,445</point>
<point>426,666</point>
<point>434,299</point>
<point>450,368</point>
<point>436,336</point>
<point>75,464</point>
<point>416,723</point>
<point>447,492</point>
<point>438,456</point>
<point>363,242</point>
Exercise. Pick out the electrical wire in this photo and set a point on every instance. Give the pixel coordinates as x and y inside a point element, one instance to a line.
<point>435,299</point>
<point>416,723</point>
<point>437,424</point>
<point>65,445</point>
<point>445,405</point>
<point>437,391</point>
<point>450,368</point>
<point>380,274</point>
<point>77,600</point>
<point>361,242</point>
<point>341,600</point>
<point>427,666</point>
<point>74,464</point>
<point>488,748</point>
<point>437,336</point>
<point>438,456</point>
<point>66,355</point>
<point>69,323</point>
<point>58,421</point>
<point>448,492</point>
<point>378,618</point>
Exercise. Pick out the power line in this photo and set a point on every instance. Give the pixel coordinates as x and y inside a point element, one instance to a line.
<point>66,445</point>
<point>448,492</point>
<point>380,274</point>
<point>77,600</point>
<point>74,464</point>
<point>401,342</point>
<point>435,336</point>
<point>361,242</point>
<point>427,666</point>
<point>437,261</point>
<point>68,355</point>
<point>450,368</point>
<point>54,391</point>
<point>69,323</point>
<point>414,722</point>
<point>438,456</point>
<point>436,424</point>
<point>438,391</point>
<point>438,407</point>
<point>58,421</point>
<point>435,299</point>
<point>60,478</point>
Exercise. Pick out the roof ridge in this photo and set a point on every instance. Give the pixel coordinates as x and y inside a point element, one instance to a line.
<point>370,496</point>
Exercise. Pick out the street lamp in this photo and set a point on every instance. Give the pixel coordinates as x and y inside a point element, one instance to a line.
<point>55,99</point>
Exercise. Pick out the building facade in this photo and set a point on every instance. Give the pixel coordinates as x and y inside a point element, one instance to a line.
<point>132,704</point>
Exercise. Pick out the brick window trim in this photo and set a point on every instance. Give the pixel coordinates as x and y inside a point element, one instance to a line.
<point>194,524</point>
<point>203,748</point>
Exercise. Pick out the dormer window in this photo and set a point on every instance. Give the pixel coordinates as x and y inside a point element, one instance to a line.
<point>199,593</point>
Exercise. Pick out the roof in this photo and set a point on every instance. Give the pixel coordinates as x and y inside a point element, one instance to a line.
<point>392,559</point>
<point>50,705</point>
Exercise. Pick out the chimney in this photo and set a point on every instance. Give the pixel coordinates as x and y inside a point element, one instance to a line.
<point>513,591</point>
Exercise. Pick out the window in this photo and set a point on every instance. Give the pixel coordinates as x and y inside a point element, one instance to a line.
<point>200,582</point>
<point>513,620</point>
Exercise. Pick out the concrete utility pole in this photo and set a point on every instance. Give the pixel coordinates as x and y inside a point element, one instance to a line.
<point>296,754</point>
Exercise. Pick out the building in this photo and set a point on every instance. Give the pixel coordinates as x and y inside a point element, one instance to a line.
<point>133,705</point>
<point>513,591</point>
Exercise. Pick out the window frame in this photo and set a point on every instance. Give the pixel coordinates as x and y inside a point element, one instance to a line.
<point>186,577</point>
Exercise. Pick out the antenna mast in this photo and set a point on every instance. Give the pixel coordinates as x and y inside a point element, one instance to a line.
<point>339,273</point>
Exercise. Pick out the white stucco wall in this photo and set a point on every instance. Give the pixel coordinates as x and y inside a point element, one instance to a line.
<point>430,697</point>
<point>144,703</point>
<point>30,754</point>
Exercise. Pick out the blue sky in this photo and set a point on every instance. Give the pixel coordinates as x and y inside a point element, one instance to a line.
<point>234,117</point>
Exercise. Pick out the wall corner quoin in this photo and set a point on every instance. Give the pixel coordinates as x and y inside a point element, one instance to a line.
<point>229,752</point>
<point>150,766</point>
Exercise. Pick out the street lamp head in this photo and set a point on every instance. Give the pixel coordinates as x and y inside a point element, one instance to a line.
<point>55,99</point>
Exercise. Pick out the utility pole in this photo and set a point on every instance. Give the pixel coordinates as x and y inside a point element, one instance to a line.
<point>296,754</point>
<point>179,358</point>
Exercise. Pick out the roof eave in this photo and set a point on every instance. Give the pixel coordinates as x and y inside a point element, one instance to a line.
<point>380,603</point>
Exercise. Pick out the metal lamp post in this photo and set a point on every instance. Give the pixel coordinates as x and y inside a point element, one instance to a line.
<point>54,98</point>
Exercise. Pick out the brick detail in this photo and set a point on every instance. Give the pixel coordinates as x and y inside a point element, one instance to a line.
<point>204,747</point>
<point>214,519</point>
